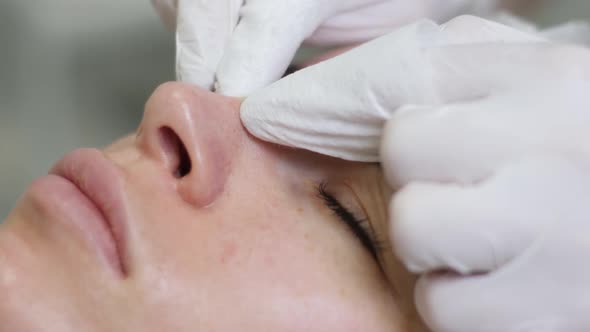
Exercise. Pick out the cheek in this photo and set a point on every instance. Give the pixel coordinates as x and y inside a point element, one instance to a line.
<point>267,275</point>
<point>301,287</point>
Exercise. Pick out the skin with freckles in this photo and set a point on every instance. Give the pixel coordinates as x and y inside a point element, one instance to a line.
<point>223,232</point>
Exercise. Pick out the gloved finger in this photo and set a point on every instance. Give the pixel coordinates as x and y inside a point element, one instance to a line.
<point>445,143</point>
<point>464,143</point>
<point>538,291</point>
<point>551,193</point>
<point>167,11</point>
<point>203,30</point>
<point>522,296</point>
<point>482,227</point>
<point>264,43</point>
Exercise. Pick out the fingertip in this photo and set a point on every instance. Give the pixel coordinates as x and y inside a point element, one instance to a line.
<point>442,302</point>
<point>260,50</point>
<point>244,70</point>
<point>202,30</point>
<point>407,234</point>
<point>445,226</point>
<point>409,145</point>
<point>427,220</point>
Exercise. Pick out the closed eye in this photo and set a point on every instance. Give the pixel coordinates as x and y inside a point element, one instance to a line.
<point>358,226</point>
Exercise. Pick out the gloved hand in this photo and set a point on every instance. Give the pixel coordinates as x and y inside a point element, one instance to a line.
<point>247,45</point>
<point>339,107</point>
<point>485,131</point>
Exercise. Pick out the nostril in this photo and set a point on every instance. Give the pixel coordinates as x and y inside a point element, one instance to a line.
<point>184,166</point>
<point>176,153</point>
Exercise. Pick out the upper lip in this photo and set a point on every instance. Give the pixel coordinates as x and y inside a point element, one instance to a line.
<point>99,180</point>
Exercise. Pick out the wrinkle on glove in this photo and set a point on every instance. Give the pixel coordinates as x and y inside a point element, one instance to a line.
<point>203,29</point>
<point>235,46</point>
<point>339,107</point>
<point>299,110</point>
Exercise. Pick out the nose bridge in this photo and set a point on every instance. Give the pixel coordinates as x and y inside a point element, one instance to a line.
<point>186,126</point>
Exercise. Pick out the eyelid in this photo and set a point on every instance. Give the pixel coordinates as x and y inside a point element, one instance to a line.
<point>361,227</point>
<point>348,198</point>
<point>357,200</point>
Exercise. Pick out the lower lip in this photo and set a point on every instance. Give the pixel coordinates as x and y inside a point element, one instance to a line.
<point>59,200</point>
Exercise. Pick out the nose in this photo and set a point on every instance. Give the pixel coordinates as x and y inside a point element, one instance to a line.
<point>194,135</point>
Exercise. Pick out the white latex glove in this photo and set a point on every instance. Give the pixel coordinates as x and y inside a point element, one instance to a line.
<point>339,107</point>
<point>244,45</point>
<point>487,136</point>
<point>496,189</point>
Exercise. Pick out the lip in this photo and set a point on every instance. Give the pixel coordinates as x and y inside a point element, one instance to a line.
<point>97,208</point>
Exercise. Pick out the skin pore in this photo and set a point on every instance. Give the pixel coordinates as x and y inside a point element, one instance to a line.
<point>221,232</point>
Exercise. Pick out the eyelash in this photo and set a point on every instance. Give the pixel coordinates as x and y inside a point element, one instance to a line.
<point>357,226</point>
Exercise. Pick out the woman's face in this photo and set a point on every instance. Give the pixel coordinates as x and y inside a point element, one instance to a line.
<point>191,224</point>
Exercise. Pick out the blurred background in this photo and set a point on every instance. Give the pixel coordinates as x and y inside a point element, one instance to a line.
<point>77,73</point>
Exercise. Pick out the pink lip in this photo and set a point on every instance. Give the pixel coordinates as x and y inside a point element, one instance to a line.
<point>97,207</point>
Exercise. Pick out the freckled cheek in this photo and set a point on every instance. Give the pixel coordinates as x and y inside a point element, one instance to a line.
<point>229,252</point>
<point>324,309</point>
<point>265,250</point>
